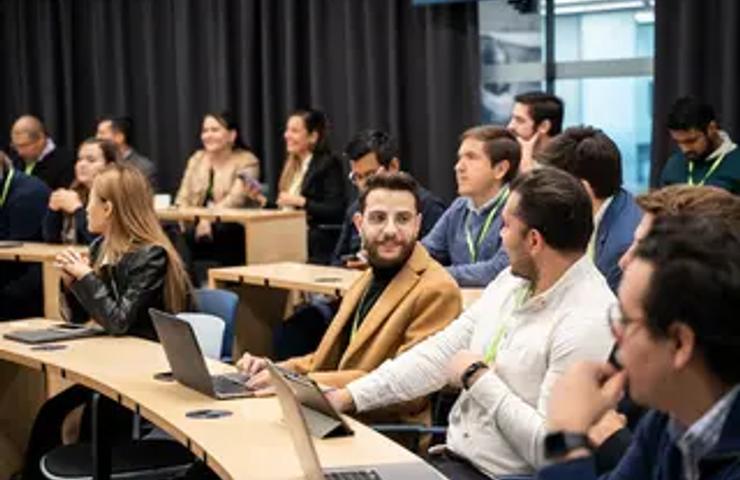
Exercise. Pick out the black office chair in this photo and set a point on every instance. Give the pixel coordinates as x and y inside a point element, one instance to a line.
<point>100,460</point>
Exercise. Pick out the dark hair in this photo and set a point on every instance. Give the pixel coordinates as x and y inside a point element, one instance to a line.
<point>120,124</point>
<point>499,145</point>
<point>589,154</point>
<point>701,257</point>
<point>316,121</point>
<point>108,148</point>
<point>382,144</point>
<point>700,201</point>
<point>227,120</point>
<point>396,181</point>
<point>555,204</point>
<point>688,113</point>
<point>543,106</point>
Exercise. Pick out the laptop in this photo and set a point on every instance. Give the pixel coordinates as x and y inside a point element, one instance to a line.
<point>54,333</point>
<point>309,460</point>
<point>187,362</point>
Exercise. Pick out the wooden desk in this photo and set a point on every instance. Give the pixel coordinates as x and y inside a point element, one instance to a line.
<point>251,443</point>
<point>265,296</point>
<point>43,253</point>
<point>269,235</point>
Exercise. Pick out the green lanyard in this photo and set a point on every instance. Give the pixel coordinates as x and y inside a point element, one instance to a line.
<point>6,186</point>
<point>474,246</point>
<point>30,167</point>
<point>521,296</point>
<point>356,319</point>
<point>711,170</point>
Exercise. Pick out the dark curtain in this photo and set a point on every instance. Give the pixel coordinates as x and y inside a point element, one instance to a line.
<point>696,52</point>
<point>367,63</point>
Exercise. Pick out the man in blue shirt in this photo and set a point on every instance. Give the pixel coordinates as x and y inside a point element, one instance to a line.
<point>678,337</point>
<point>592,157</point>
<point>23,201</point>
<point>466,239</point>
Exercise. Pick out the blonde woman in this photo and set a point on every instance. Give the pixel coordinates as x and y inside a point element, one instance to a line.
<point>132,266</point>
<point>224,173</point>
<point>66,220</point>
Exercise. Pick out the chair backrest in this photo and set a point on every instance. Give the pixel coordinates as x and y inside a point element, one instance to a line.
<point>209,331</point>
<point>223,304</point>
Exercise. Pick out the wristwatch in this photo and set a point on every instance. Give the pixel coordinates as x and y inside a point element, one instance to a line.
<point>470,371</point>
<point>559,444</point>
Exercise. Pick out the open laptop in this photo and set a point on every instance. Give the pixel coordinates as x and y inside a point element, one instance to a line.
<point>187,362</point>
<point>309,460</point>
<point>54,333</point>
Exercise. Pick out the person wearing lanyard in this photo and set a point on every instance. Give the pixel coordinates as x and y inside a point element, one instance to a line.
<point>35,153</point>
<point>401,299</point>
<point>707,155</point>
<point>466,238</point>
<point>23,201</point>
<point>538,317</point>
<point>591,156</point>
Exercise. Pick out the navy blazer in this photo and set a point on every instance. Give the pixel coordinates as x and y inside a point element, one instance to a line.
<point>653,455</point>
<point>615,235</point>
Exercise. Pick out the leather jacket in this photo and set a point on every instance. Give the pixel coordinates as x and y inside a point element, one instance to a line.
<point>118,298</point>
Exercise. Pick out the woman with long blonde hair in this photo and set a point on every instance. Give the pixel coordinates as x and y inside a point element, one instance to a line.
<point>133,266</point>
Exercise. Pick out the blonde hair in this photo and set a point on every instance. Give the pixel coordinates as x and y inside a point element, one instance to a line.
<point>134,223</point>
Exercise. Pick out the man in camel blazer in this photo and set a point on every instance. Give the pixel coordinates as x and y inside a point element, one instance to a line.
<point>403,298</point>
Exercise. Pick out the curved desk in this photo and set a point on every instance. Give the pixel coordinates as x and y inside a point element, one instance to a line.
<point>251,443</point>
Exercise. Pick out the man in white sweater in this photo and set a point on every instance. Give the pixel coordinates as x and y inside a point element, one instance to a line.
<point>546,311</point>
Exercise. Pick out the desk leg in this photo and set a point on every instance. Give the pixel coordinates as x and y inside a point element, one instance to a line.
<point>51,290</point>
<point>260,309</point>
<point>22,392</point>
<point>276,240</point>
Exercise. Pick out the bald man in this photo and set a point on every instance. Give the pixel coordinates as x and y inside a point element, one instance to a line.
<point>35,153</point>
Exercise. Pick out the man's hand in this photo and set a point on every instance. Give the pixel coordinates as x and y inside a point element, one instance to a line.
<point>610,423</point>
<point>528,148</point>
<point>203,230</point>
<point>457,365</point>
<point>259,377</point>
<point>340,399</point>
<point>583,395</point>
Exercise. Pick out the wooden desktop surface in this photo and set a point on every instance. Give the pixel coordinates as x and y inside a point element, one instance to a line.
<point>251,443</point>
<point>270,235</point>
<point>43,253</point>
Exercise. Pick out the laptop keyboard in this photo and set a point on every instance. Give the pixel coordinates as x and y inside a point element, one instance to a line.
<point>354,475</point>
<point>229,383</point>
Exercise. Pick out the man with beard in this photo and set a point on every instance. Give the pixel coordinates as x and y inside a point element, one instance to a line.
<point>403,298</point>
<point>539,316</point>
<point>536,118</point>
<point>707,155</point>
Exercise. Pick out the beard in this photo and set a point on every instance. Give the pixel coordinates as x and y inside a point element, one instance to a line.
<point>525,268</point>
<point>377,261</point>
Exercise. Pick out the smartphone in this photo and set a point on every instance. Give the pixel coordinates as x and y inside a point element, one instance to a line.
<point>70,326</point>
<point>249,181</point>
<point>352,257</point>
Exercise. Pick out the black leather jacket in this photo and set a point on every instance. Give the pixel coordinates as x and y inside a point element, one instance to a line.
<point>119,297</point>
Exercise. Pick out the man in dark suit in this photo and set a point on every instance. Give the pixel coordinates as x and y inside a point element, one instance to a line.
<point>23,201</point>
<point>35,153</point>
<point>591,156</point>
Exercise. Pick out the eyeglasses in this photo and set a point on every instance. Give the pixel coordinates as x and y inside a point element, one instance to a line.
<point>618,321</point>
<point>358,178</point>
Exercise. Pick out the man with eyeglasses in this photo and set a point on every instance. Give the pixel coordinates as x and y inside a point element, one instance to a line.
<point>466,239</point>
<point>506,350</point>
<point>678,337</point>
<point>403,297</point>
<point>370,152</point>
<point>34,153</point>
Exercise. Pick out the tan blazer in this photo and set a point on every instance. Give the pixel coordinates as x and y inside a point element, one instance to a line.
<point>227,190</point>
<point>420,300</point>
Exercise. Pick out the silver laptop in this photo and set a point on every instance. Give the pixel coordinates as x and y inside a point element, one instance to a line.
<point>187,362</point>
<point>309,460</point>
